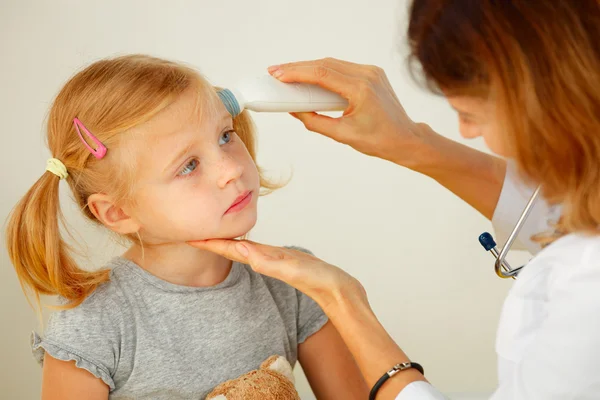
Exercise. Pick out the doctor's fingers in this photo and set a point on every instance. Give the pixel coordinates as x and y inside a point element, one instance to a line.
<point>305,272</point>
<point>328,78</point>
<point>314,277</point>
<point>237,250</point>
<point>355,89</point>
<point>347,79</point>
<point>342,66</point>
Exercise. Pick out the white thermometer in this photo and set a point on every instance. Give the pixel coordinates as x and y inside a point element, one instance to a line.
<point>267,94</point>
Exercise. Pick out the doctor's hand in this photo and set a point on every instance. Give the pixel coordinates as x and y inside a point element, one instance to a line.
<point>338,294</point>
<point>326,284</point>
<point>374,123</point>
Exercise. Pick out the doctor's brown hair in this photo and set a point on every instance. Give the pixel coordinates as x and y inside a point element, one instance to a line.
<point>539,60</point>
<point>110,97</point>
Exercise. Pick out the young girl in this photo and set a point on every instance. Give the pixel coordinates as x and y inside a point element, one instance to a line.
<point>150,152</point>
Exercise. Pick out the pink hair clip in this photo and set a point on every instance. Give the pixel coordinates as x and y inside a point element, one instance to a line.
<point>100,150</point>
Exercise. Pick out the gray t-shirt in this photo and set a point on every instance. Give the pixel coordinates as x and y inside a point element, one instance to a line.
<point>150,339</point>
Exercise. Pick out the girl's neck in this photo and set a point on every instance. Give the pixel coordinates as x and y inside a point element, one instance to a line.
<point>181,264</point>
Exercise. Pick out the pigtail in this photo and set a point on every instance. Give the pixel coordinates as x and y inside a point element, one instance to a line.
<point>38,252</point>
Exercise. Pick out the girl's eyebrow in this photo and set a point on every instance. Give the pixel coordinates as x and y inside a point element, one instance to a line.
<point>179,156</point>
<point>184,150</point>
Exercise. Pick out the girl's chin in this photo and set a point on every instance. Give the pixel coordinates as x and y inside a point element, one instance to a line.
<point>234,232</point>
<point>237,233</point>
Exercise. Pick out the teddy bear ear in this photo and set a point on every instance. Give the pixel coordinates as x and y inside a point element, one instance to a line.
<point>219,397</point>
<point>280,364</point>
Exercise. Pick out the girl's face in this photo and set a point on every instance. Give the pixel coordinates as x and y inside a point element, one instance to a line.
<point>477,118</point>
<point>195,177</point>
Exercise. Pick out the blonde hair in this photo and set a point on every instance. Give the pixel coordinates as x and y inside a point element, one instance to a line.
<point>110,97</point>
<point>540,62</point>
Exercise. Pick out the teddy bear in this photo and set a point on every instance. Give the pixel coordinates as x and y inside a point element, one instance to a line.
<point>274,380</point>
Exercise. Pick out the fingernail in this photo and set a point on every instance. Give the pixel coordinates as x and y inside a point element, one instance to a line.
<point>273,68</point>
<point>277,73</point>
<point>242,249</point>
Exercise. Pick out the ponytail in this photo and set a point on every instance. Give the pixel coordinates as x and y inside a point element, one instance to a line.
<point>38,252</point>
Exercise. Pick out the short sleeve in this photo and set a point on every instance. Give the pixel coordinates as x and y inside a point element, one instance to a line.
<point>88,334</point>
<point>311,317</point>
<point>512,201</point>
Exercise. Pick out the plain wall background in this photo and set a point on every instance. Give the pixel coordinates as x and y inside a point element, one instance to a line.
<point>411,243</point>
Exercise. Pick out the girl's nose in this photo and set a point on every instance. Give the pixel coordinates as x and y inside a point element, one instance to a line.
<point>229,170</point>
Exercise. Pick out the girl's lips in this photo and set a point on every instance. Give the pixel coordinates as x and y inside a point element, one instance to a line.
<point>240,203</point>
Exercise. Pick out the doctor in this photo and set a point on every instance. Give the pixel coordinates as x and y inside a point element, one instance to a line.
<point>525,75</point>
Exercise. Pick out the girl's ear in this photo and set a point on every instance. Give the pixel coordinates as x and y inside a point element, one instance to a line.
<point>111,215</point>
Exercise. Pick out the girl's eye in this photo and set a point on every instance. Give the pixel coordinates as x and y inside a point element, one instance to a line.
<point>189,167</point>
<point>226,137</point>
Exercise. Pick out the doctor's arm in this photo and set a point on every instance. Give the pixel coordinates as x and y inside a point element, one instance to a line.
<point>344,301</point>
<point>376,124</point>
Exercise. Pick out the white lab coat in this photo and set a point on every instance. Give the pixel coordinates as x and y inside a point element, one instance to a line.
<point>548,339</point>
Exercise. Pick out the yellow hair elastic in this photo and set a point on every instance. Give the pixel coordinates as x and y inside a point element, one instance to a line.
<point>56,166</point>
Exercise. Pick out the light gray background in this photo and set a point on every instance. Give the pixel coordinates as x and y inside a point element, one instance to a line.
<point>412,243</point>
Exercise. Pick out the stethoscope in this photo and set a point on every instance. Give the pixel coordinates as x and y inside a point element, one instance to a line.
<point>502,267</point>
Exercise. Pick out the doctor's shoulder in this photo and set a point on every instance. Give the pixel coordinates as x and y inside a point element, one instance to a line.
<point>572,264</point>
